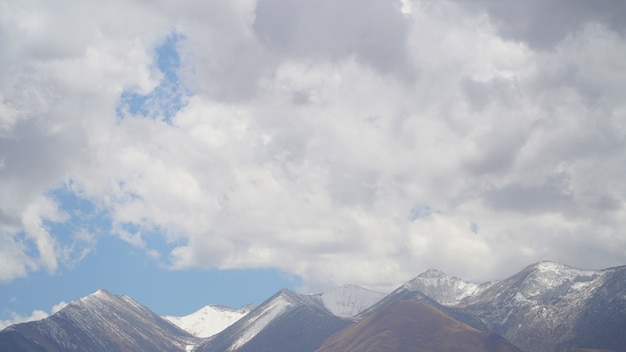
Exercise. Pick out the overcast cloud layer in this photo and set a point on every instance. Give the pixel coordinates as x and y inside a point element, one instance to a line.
<point>340,141</point>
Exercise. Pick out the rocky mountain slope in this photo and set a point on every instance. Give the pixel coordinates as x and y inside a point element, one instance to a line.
<point>404,326</point>
<point>409,292</point>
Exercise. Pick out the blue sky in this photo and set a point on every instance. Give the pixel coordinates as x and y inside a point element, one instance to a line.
<point>122,269</point>
<point>215,152</point>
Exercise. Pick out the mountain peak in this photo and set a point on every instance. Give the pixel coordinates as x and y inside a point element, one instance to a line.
<point>550,268</point>
<point>348,288</point>
<point>550,278</point>
<point>102,293</point>
<point>405,323</point>
<point>433,273</point>
<point>547,266</point>
<point>349,300</point>
<point>97,299</point>
<point>273,309</point>
<point>560,301</point>
<point>290,296</point>
<point>444,289</point>
<point>209,320</point>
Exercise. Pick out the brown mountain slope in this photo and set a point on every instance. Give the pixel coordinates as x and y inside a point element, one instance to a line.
<point>409,326</point>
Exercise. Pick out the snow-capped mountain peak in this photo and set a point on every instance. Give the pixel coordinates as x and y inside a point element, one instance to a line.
<point>549,278</point>
<point>209,320</point>
<point>101,293</point>
<point>433,273</point>
<point>444,289</point>
<point>349,300</point>
<point>103,299</point>
<point>553,298</point>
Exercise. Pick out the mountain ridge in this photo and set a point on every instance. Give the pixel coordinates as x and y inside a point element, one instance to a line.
<point>445,289</point>
<point>100,321</point>
<point>403,325</point>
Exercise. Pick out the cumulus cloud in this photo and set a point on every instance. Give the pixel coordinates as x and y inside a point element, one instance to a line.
<point>309,147</point>
<point>372,31</point>
<point>16,319</point>
<point>35,315</point>
<point>543,24</point>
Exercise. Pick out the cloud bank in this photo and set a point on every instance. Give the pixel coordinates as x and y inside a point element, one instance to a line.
<point>353,141</point>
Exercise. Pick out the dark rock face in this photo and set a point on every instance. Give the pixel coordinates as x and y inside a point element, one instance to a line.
<point>601,322</point>
<point>406,292</point>
<point>12,340</point>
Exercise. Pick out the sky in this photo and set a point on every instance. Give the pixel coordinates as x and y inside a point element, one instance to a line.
<point>212,152</point>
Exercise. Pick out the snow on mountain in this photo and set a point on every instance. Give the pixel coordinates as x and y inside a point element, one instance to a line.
<point>540,282</point>
<point>410,292</point>
<point>444,289</point>
<point>349,300</point>
<point>209,320</point>
<point>543,305</point>
<point>289,311</point>
<point>547,276</point>
<point>266,313</point>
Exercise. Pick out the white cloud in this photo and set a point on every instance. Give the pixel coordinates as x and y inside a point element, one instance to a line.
<point>16,319</point>
<point>15,262</point>
<point>57,307</point>
<point>306,149</point>
<point>35,315</point>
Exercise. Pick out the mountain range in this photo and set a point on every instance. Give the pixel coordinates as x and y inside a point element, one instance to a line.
<point>545,307</point>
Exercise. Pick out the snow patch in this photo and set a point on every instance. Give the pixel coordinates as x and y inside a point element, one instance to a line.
<point>444,289</point>
<point>262,317</point>
<point>209,320</point>
<point>349,300</point>
<point>546,276</point>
